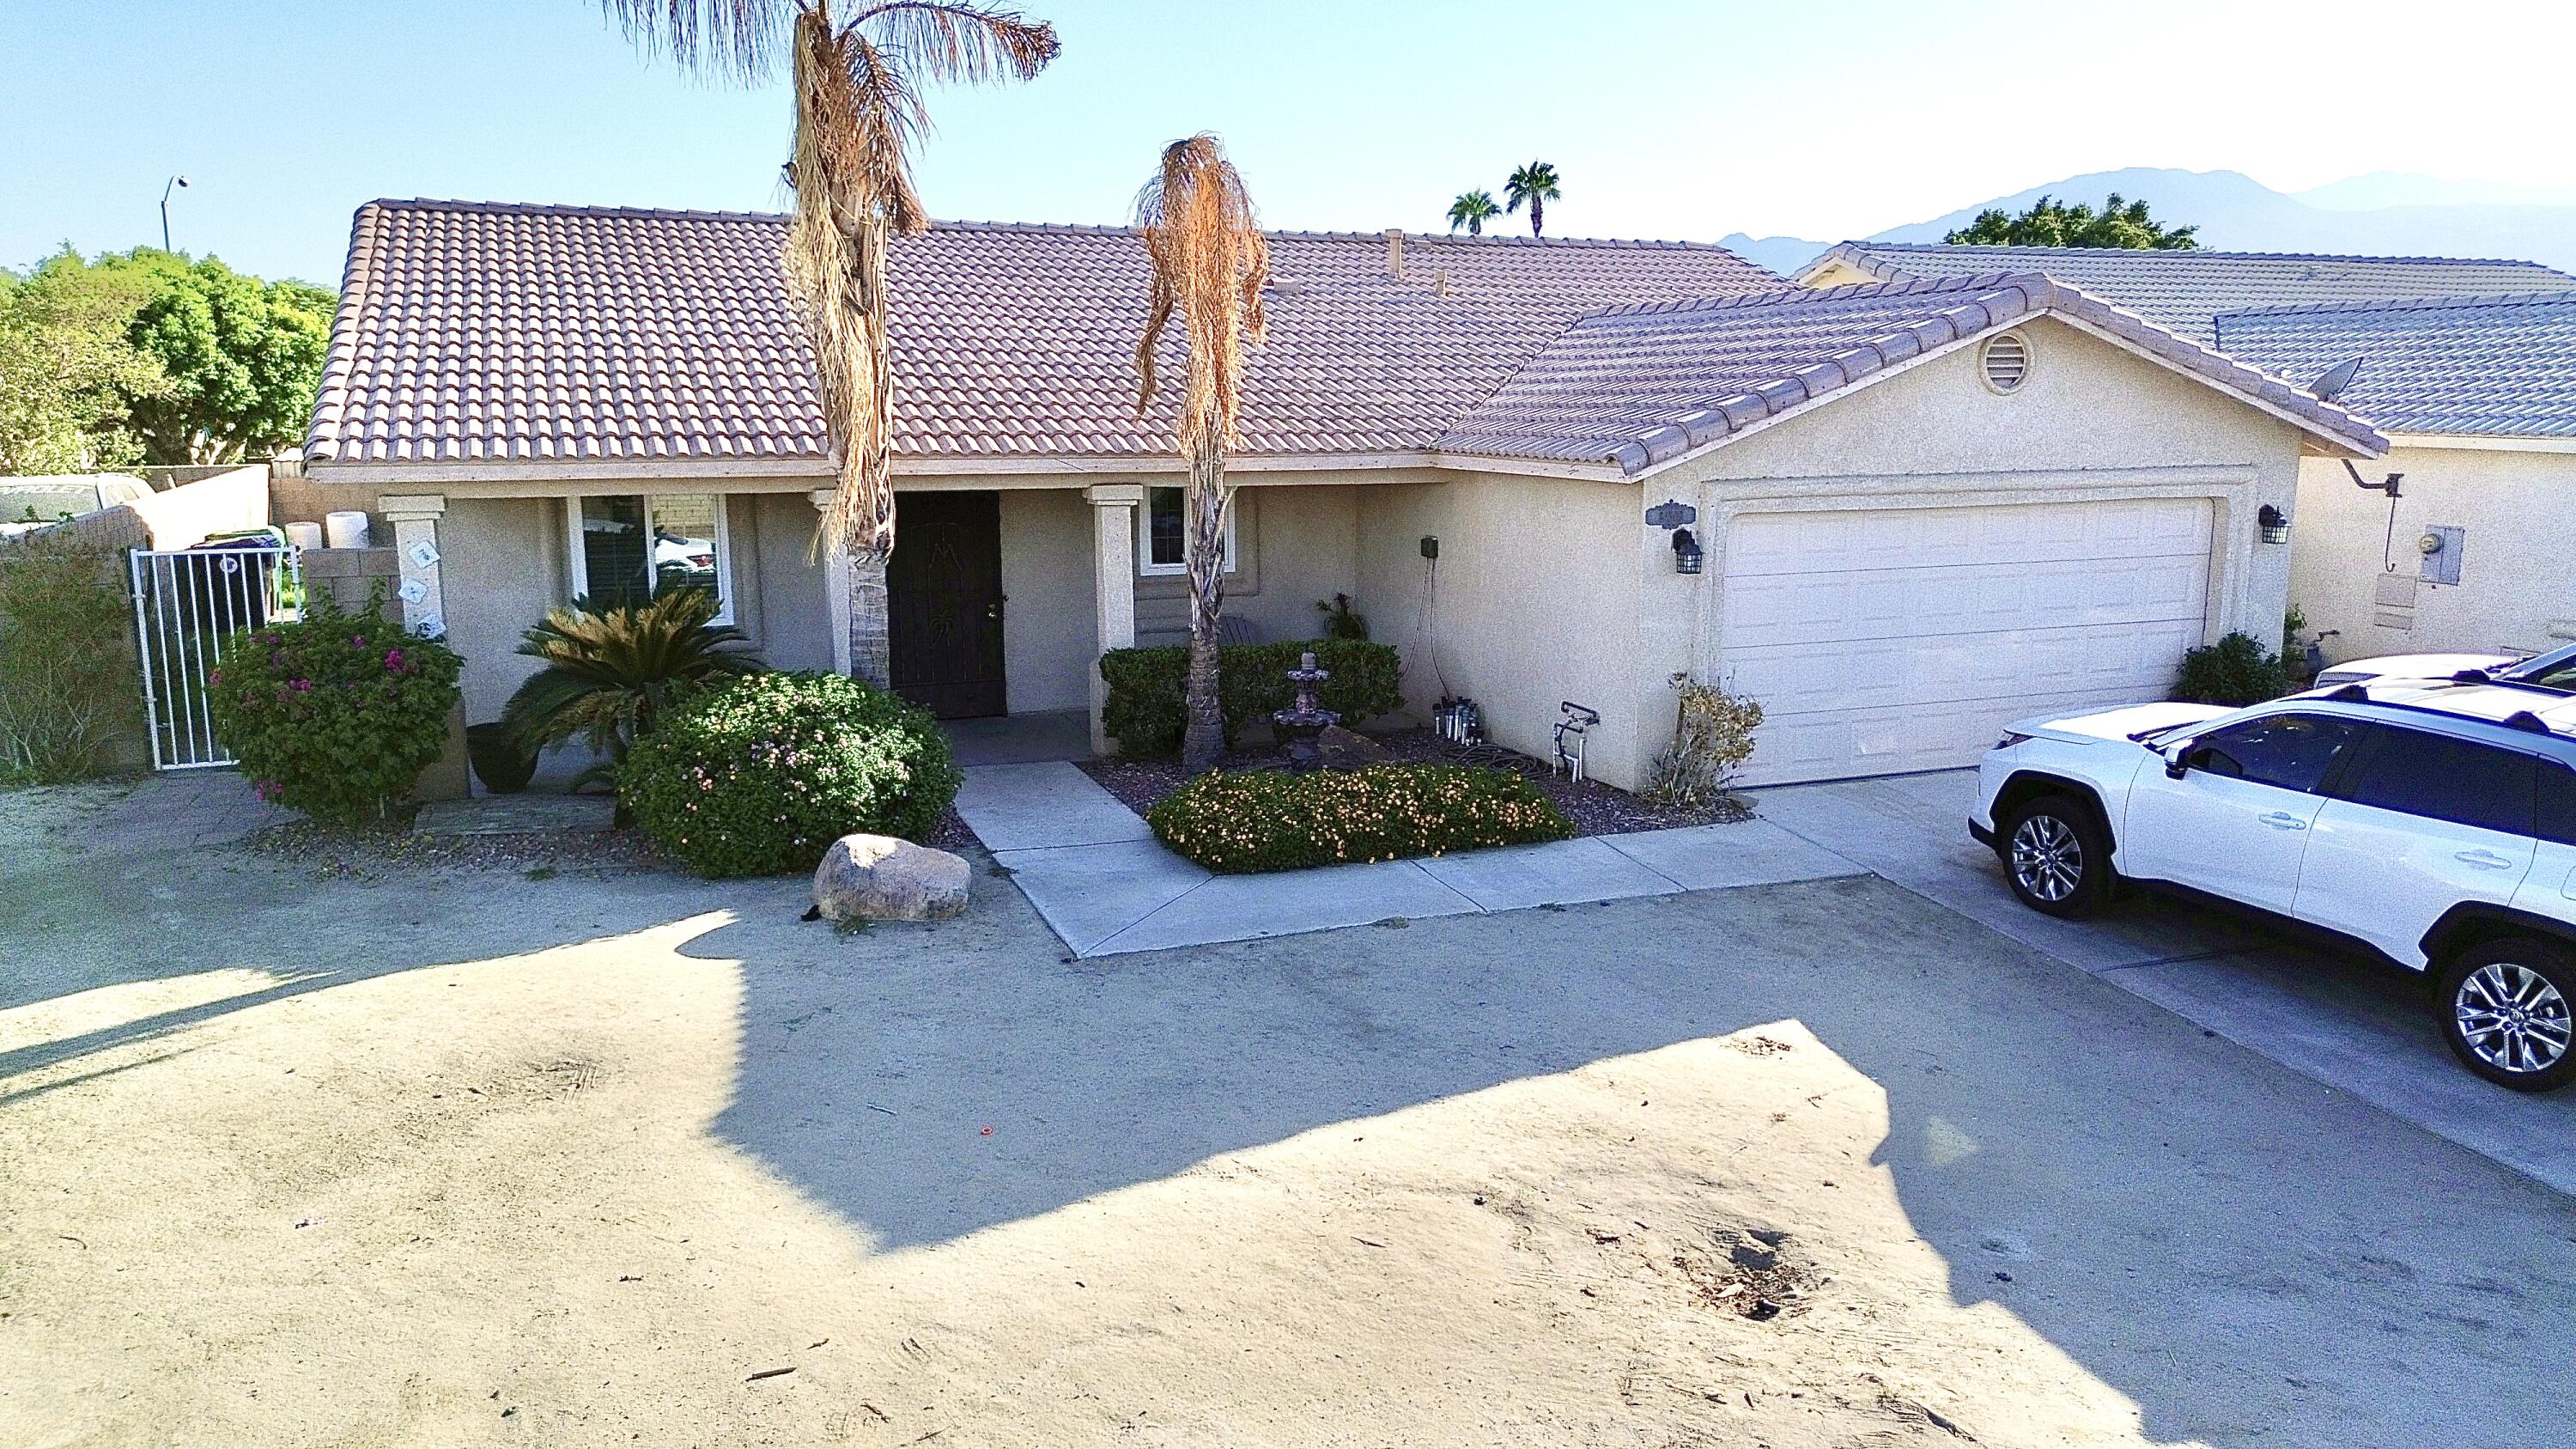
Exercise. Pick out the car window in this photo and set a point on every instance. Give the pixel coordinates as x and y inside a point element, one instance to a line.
<point>2554,670</point>
<point>2292,751</point>
<point>2558,804</point>
<point>2436,777</point>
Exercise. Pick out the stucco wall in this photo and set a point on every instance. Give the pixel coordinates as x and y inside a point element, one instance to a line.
<point>500,570</point>
<point>1534,600</point>
<point>1050,623</point>
<point>780,594</point>
<point>2517,586</point>
<point>1298,547</point>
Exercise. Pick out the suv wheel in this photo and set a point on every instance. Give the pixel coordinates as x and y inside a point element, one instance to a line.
<point>2057,856</point>
<point>2506,1008</point>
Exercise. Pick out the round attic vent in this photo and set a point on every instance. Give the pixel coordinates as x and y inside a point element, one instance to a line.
<point>2005,361</point>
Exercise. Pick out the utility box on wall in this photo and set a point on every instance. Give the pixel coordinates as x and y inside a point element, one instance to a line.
<point>2441,546</point>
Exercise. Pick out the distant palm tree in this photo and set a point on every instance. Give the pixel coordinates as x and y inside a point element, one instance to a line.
<point>1535,184</point>
<point>857,66</point>
<point>1472,210</point>
<point>1210,263</point>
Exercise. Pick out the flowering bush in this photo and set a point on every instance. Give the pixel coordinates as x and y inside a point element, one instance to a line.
<point>1257,820</point>
<point>1711,741</point>
<point>761,775</point>
<point>336,714</point>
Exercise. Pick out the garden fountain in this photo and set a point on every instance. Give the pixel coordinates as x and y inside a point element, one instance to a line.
<point>1298,728</point>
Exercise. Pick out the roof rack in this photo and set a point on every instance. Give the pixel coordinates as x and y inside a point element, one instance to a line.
<point>2523,720</point>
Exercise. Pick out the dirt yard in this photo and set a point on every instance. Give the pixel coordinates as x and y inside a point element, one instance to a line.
<point>289,1157</point>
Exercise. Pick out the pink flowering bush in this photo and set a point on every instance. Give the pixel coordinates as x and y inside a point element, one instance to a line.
<point>335,715</point>
<point>760,775</point>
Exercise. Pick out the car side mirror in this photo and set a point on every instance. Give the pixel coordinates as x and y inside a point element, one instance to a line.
<point>2175,755</point>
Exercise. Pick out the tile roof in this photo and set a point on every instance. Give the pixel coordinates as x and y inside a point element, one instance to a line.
<point>2487,366</point>
<point>479,332</point>
<point>1641,385</point>
<point>2182,291</point>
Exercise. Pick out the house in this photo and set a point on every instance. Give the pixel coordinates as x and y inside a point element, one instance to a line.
<point>2468,365</point>
<point>2475,548</point>
<point>1546,471</point>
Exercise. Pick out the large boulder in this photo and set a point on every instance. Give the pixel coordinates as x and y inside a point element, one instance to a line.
<point>880,878</point>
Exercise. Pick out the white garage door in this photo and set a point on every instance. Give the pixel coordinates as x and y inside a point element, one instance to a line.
<point>1883,640</point>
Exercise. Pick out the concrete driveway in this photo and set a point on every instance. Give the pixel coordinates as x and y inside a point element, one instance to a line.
<point>293,1156</point>
<point>2355,1024</point>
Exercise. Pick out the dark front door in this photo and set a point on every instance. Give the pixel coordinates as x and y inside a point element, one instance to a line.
<point>944,603</point>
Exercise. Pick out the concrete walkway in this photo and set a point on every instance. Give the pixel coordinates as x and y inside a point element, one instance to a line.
<point>2362,1026</point>
<point>1100,879</point>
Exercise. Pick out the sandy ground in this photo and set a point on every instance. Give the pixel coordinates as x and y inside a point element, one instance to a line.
<point>291,1158</point>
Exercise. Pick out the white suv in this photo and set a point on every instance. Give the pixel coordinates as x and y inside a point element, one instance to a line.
<point>2432,822</point>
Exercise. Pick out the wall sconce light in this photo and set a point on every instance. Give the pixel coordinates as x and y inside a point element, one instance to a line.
<point>1686,554</point>
<point>2274,524</point>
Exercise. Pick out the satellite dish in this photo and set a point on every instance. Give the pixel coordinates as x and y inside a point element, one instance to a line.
<point>2334,380</point>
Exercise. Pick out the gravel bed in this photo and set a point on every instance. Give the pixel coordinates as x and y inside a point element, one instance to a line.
<point>1595,808</point>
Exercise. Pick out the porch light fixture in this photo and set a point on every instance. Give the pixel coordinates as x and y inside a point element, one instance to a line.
<point>2275,524</point>
<point>1686,554</point>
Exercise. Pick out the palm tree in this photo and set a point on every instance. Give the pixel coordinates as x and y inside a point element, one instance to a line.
<point>857,66</point>
<point>610,673</point>
<point>1535,184</point>
<point>1472,210</point>
<point>1210,263</point>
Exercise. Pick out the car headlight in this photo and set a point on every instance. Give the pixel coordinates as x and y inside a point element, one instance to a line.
<point>2010,739</point>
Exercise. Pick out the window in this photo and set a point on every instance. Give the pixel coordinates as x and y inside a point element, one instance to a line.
<point>2435,777</point>
<point>2558,804</point>
<point>1161,531</point>
<point>626,547</point>
<point>2291,751</point>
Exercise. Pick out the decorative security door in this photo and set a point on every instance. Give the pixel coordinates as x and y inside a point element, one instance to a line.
<point>187,605</point>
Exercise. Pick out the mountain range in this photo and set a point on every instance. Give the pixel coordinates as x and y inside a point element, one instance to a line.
<point>2386,213</point>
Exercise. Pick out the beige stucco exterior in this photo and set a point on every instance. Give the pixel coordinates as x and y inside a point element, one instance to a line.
<point>2355,567</point>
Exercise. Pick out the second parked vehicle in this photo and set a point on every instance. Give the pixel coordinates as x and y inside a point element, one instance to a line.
<point>2431,823</point>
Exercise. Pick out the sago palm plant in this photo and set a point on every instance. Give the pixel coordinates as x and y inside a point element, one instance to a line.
<point>610,673</point>
<point>858,66</point>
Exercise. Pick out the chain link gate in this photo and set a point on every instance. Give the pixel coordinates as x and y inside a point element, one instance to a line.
<point>186,603</point>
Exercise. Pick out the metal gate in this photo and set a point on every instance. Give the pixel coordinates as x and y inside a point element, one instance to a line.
<point>187,604</point>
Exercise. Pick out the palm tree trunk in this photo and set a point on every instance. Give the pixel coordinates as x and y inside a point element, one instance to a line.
<point>871,652</point>
<point>1203,739</point>
<point>1538,215</point>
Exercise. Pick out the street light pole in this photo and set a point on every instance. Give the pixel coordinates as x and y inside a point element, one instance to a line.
<point>175,181</point>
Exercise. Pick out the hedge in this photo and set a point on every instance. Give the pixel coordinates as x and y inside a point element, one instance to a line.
<point>761,775</point>
<point>1144,712</point>
<point>1257,820</point>
<point>335,714</point>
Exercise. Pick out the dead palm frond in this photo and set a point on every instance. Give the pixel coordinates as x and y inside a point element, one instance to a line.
<point>1210,264</point>
<point>857,69</point>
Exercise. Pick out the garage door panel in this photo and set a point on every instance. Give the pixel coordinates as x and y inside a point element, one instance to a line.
<point>1916,603</point>
<point>1827,542</point>
<point>1887,640</point>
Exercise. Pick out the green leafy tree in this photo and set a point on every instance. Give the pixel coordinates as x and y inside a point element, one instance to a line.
<point>69,375</point>
<point>243,357</point>
<point>1472,210</point>
<point>1533,186</point>
<point>2121,224</point>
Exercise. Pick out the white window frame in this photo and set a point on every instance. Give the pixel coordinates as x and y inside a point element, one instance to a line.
<point>577,549</point>
<point>1145,565</point>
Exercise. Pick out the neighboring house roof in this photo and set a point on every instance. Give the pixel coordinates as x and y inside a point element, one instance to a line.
<point>2183,290</point>
<point>1641,385</point>
<point>472,332</point>
<point>2474,366</point>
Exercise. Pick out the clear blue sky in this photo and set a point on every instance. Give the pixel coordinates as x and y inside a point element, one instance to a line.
<point>1666,118</point>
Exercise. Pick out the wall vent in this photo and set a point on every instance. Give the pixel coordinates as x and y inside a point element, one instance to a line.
<point>2005,361</point>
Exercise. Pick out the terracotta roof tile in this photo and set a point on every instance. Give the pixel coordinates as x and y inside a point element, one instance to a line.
<point>2471,366</point>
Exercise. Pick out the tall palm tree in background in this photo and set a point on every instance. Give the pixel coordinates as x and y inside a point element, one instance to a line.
<point>857,66</point>
<point>1472,210</point>
<point>1536,185</point>
<point>1210,263</point>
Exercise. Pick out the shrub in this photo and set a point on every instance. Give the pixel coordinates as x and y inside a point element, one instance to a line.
<point>336,714</point>
<point>2235,670</point>
<point>1256,820</point>
<point>610,673</point>
<point>70,687</point>
<point>761,775</point>
<point>1711,742</point>
<point>1144,711</point>
<point>1339,620</point>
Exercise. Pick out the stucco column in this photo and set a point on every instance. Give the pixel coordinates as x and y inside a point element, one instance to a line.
<point>836,588</point>
<point>1113,583</point>
<point>415,523</point>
